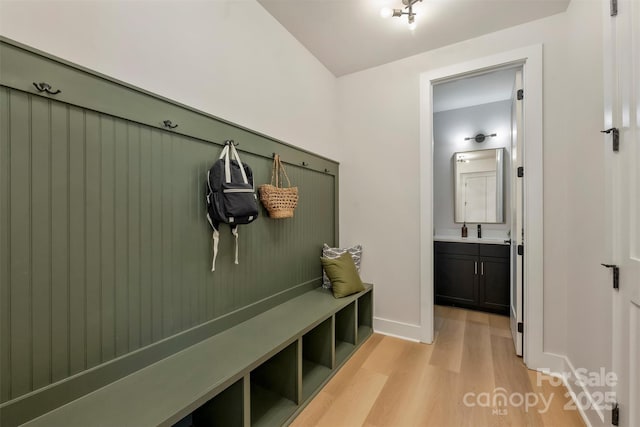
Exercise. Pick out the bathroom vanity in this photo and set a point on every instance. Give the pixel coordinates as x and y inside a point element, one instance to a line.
<point>472,273</point>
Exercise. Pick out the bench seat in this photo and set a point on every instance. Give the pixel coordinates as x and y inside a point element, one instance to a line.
<point>172,388</point>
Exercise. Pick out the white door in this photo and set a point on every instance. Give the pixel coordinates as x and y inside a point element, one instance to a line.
<point>479,196</point>
<point>516,215</point>
<point>622,111</point>
<point>475,188</point>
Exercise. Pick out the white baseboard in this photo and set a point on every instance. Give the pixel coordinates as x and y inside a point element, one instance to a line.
<point>592,414</point>
<point>396,329</point>
<point>546,362</point>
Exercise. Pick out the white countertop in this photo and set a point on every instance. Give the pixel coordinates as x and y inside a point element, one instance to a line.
<point>471,239</point>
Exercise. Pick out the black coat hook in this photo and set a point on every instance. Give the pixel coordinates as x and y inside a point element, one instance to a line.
<point>46,87</point>
<point>616,137</point>
<point>305,164</point>
<point>231,142</point>
<point>169,125</point>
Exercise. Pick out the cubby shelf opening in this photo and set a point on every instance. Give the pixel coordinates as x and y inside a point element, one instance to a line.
<point>225,409</point>
<point>317,360</point>
<point>365,317</point>
<point>345,333</point>
<point>274,388</point>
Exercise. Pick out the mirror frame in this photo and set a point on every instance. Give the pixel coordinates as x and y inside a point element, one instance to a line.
<point>500,164</point>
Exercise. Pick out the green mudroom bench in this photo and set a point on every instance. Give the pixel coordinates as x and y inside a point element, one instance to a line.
<point>110,315</point>
<point>260,372</point>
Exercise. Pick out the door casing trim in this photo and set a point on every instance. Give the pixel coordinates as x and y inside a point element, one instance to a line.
<point>530,58</point>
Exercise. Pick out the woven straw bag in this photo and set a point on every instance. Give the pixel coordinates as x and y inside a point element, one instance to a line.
<point>279,201</point>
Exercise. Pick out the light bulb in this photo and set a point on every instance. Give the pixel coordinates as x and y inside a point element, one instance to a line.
<point>386,12</point>
<point>412,21</point>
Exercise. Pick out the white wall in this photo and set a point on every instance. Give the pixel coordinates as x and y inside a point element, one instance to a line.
<point>449,130</point>
<point>229,58</point>
<point>379,117</point>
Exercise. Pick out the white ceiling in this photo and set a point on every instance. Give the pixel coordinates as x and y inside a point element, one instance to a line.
<point>467,92</point>
<point>350,35</point>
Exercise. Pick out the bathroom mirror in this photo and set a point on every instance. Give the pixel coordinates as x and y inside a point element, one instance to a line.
<point>478,183</point>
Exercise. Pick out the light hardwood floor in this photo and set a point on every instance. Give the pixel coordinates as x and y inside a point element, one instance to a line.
<point>397,383</point>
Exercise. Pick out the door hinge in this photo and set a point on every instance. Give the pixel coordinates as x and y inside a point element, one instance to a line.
<point>615,136</point>
<point>520,249</point>
<point>613,8</point>
<point>616,274</point>
<point>520,171</point>
<point>520,94</point>
<point>520,327</point>
<point>615,415</point>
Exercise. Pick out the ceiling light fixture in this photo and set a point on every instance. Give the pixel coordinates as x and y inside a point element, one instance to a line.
<point>411,15</point>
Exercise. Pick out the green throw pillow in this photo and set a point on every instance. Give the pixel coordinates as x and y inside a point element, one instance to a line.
<point>343,275</point>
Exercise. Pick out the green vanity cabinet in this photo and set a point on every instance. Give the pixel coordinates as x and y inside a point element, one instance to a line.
<point>472,275</point>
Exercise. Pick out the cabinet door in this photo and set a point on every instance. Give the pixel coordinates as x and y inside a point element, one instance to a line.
<point>456,279</point>
<point>494,284</point>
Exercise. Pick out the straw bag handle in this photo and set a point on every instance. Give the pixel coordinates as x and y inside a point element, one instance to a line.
<point>276,169</point>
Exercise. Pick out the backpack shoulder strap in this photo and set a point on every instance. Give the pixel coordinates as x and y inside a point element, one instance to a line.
<point>216,239</point>
<point>234,231</point>
<point>227,167</point>
<point>237,157</point>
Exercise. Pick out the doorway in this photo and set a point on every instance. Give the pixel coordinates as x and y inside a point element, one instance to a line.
<point>530,60</point>
<point>477,127</point>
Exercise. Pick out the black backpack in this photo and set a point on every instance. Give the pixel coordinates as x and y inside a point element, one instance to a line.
<point>230,196</point>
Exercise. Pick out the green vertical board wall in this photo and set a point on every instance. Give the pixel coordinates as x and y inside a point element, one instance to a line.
<point>104,245</point>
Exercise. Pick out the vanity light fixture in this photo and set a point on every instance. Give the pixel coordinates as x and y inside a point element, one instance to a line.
<point>387,12</point>
<point>481,137</point>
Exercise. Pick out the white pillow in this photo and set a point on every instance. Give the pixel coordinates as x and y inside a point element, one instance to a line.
<point>332,253</point>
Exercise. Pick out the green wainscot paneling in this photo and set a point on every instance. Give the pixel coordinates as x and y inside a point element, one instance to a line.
<point>105,251</point>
